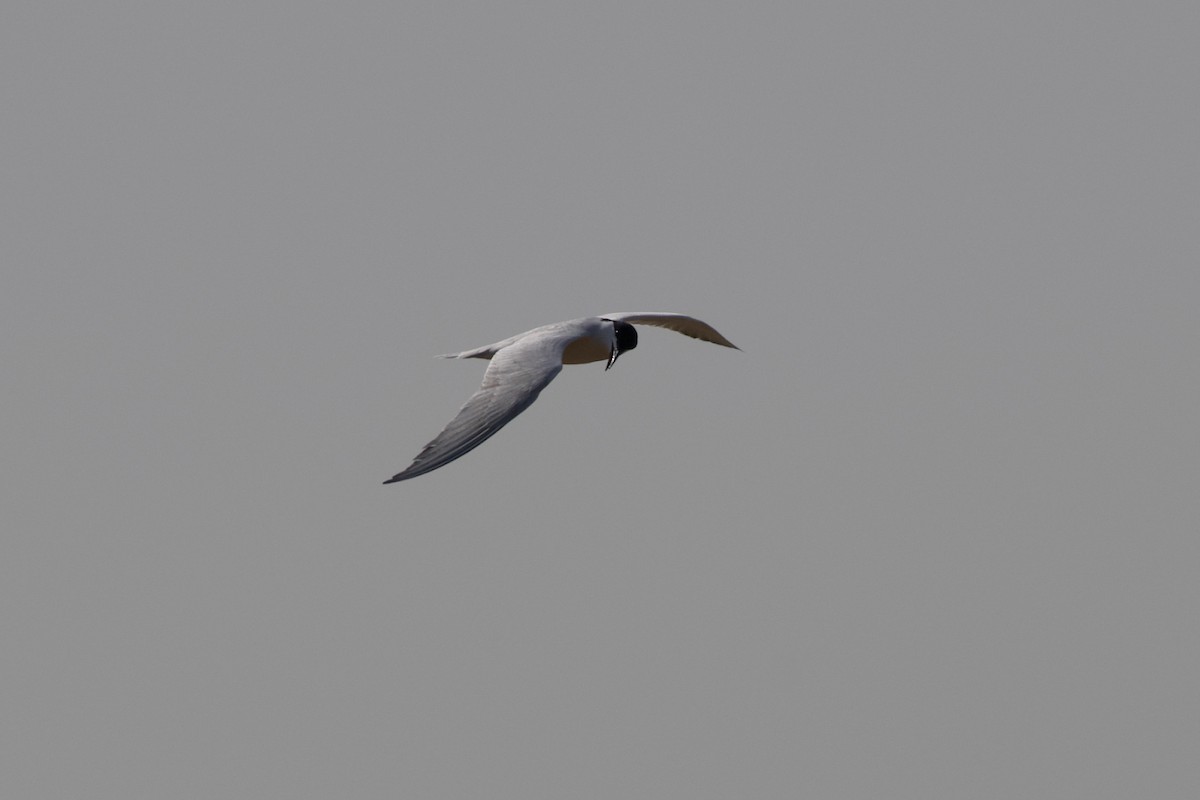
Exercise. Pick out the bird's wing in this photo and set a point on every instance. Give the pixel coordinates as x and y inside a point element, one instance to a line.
<point>680,323</point>
<point>514,378</point>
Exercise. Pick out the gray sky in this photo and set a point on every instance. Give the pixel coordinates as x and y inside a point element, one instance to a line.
<point>933,534</point>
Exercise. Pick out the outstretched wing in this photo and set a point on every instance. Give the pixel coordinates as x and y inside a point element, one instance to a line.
<point>680,323</point>
<point>514,378</point>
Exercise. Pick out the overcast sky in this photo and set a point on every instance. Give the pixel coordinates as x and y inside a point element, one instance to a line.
<point>933,534</point>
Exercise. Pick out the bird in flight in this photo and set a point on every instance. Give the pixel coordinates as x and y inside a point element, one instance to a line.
<point>524,364</point>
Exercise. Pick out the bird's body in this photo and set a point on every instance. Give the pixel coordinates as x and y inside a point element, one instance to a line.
<point>522,365</point>
<point>584,340</point>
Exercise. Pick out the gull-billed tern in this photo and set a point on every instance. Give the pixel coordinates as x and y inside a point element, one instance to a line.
<point>524,364</point>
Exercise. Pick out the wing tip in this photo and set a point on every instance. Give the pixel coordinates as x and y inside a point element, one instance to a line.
<point>717,339</point>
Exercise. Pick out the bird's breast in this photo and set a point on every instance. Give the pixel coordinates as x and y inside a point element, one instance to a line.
<point>585,350</point>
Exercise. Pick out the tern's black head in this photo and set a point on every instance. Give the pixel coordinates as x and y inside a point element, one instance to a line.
<point>624,338</point>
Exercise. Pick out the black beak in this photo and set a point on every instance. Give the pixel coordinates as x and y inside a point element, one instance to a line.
<point>624,338</point>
